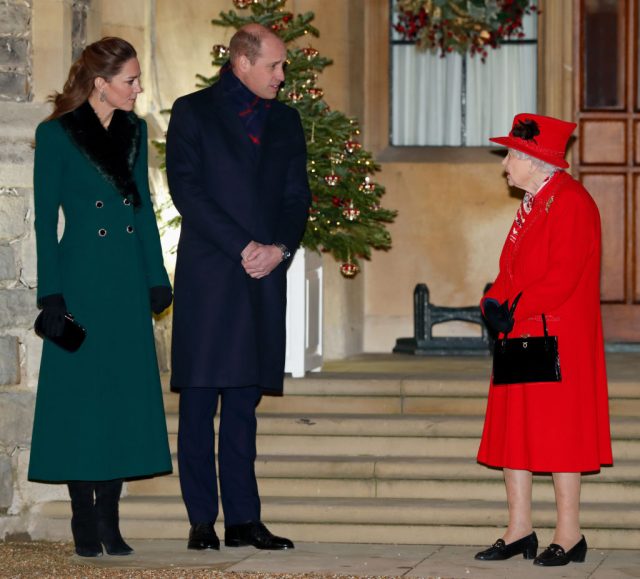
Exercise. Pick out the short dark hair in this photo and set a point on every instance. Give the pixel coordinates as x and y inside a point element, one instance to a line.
<point>245,43</point>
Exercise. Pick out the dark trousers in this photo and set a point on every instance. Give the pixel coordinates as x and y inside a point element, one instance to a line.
<point>236,454</point>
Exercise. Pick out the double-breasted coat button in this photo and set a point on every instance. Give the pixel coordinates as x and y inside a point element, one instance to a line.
<point>129,228</point>
<point>99,204</point>
<point>102,232</point>
<point>126,201</point>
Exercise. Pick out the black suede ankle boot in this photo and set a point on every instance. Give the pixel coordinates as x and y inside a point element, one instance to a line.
<point>107,500</point>
<point>84,523</point>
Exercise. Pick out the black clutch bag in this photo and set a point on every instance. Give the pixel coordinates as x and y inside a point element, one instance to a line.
<point>72,336</point>
<point>523,360</point>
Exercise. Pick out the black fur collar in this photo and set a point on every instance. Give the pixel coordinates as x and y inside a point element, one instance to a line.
<point>112,151</point>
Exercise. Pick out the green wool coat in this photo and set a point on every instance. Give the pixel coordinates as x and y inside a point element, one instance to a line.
<point>99,411</point>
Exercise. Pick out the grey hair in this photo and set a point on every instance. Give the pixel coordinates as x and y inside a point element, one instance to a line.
<point>543,166</point>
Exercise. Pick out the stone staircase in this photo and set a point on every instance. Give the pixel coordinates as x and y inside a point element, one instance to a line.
<point>389,459</point>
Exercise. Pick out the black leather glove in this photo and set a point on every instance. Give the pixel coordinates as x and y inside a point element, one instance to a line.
<point>53,310</point>
<point>497,315</point>
<point>161,298</point>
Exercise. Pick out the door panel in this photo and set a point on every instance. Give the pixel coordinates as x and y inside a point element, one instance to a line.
<point>607,156</point>
<point>609,193</point>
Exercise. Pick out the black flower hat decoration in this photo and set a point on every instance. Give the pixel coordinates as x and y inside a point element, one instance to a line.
<point>526,129</point>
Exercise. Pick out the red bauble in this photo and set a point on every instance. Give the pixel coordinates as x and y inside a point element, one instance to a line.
<point>349,269</point>
<point>352,146</point>
<point>351,213</point>
<point>332,180</point>
<point>310,53</point>
<point>367,186</point>
<point>315,93</point>
<point>219,51</point>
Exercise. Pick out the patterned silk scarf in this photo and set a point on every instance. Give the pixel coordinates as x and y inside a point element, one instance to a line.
<point>251,109</point>
<point>524,210</point>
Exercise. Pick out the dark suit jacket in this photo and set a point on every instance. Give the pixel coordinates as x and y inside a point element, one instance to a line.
<point>229,329</point>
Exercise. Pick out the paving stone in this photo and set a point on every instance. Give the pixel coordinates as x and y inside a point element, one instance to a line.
<point>9,361</point>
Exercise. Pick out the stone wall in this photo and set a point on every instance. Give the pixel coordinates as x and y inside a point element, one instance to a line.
<point>15,57</point>
<point>20,348</point>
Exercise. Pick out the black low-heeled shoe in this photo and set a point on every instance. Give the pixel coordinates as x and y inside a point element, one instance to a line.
<point>500,551</point>
<point>554,555</point>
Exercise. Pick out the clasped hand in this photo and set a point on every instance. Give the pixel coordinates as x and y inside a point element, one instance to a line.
<point>498,315</point>
<point>260,260</point>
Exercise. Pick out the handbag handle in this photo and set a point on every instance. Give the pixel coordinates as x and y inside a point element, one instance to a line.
<point>512,310</point>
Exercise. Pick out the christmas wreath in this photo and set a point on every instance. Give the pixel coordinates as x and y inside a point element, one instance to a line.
<point>461,25</point>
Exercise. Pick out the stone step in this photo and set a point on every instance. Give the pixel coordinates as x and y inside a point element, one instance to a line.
<point>474,486</point>
<point>346,395</point>
<point>417,446</point>
<point>397,468</point>
<point>428,426</point>
<point>402,521</point>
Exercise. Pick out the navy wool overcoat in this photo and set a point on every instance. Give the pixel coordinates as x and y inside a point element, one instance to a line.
<point>229,329</point>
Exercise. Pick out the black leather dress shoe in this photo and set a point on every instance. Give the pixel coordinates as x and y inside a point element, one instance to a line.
<point>500,551</point>
<point>255,534</point>
<point>554,555</point>
<point>203,536</point>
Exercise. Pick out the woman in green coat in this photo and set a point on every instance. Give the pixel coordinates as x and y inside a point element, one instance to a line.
<point>99,414</point>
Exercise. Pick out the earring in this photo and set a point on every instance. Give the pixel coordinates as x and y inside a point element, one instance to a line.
<point>103,97</point>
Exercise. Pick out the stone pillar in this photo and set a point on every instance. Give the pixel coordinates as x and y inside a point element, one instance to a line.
<point>51,49</point>
<point>555,84</point>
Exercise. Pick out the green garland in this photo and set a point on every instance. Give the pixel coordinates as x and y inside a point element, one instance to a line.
<point>462,26</point>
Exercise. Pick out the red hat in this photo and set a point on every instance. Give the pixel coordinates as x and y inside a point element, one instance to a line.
<point>544,138</point>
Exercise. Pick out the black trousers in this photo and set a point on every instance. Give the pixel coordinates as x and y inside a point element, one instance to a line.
<point>236,454</point>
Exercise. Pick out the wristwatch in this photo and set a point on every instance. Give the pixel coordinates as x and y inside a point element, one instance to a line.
<point>286,254</point>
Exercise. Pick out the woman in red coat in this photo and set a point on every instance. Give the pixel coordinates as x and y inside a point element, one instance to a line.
<point>551,256</point>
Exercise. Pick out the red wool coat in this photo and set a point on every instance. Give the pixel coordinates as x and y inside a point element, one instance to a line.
<point>554,260</point>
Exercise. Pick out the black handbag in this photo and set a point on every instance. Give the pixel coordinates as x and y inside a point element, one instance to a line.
<point>523,360</point>
<point>72,336</point>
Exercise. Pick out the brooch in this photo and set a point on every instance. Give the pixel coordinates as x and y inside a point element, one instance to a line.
<point>549,202</point>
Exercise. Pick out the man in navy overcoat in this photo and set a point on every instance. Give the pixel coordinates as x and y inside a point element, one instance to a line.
<point>236,164</point>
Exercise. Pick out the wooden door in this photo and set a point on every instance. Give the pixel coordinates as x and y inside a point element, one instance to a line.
<point>606,157</point>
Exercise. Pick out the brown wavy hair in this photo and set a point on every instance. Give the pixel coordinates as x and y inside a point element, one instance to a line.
<point>104,58</point>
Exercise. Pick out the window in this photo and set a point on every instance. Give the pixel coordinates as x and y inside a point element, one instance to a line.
<point>459,101</point>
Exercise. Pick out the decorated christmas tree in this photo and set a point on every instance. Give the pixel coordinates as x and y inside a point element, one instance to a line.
<point>345,218</point>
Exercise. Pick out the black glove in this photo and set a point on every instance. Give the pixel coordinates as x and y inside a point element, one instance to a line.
<point>497,315</point>
<point>161,298</point>
<point>53,310</point>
